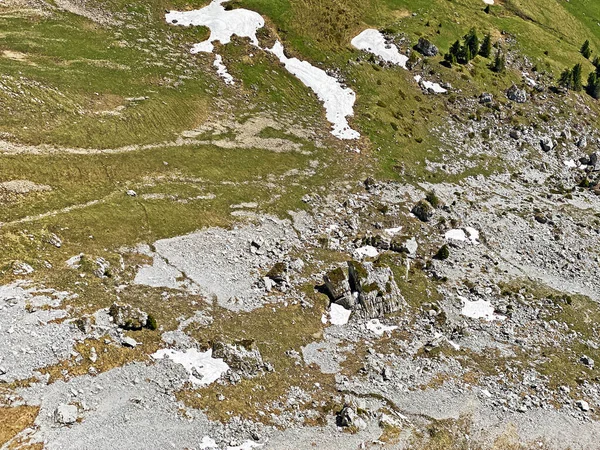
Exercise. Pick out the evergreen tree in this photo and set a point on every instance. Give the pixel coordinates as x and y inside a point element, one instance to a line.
<point>596,62</point>
<point>486,46</point>
<point>499,63</point>
<point>586,51</point>
<point>487,9</point>
<point>577,77</point>
<point>566,79</point>
<point>472,43</point>
<point>593,85</point>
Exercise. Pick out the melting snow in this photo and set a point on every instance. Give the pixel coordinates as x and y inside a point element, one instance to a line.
<point>368,251</point>
<point>372,41</point>
<point>337,100</point>
<point>378,328</point>
<point>468,234</point>
<point>479,309</point>
<point>435,87</point>
<point>222,70</point>
<point>338,314</point>
<point>202,367</point>
<point>222,23</point>
<point>393,231</point>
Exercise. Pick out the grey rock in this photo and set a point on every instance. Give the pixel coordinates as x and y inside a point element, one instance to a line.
<point>426,48</point>
<point>547,143</point>
<point>587,361</point>
<point>375,289</point>
<point>515,134</point>
<point>516,95</point>
<point>486,97</point>
<point>347,417</point>
<point>65,414</point>
<point>582,142</point>
<point>128,317</point>
<point>337,288</point>
<point>582,405</point>
<point>132,193</point>
<point>242,357</point>
<point>129,342</point>
<point>423,211</point>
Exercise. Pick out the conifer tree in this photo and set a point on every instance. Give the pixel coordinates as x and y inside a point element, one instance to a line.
<point>586,51</point>
<point>486,46</point>
<point>472,43</point>
<point>499,63</point>
<point>576,75</point>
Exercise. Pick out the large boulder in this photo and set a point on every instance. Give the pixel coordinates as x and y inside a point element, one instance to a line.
<point>423,210</point>
<point>375,289</point>
<point>426,48</point>
<point>242,357</point>
<point>369,289</point>
<point>516,95</point>
<point>65,414</point>
<point>337,288</point>
<point>128,317</point>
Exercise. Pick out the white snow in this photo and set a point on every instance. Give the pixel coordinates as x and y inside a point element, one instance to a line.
<point>222,70</point>
<point>201,366</point>
<point>338,314</point>
<point>393,231</point>
<point>368,251</point>
<point>372,41</point>
<point>479,309</point>
<point>488,2</point>
<point>467,234</point>
<point>338,101</point>
<point>570,163</point>
<point>222,24</point>
<point>435,87</point>
<point>378,328</point>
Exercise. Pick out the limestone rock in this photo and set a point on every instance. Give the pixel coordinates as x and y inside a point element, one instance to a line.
<point>516,95</point>
<point>426,48</point>
<point>128,317</point>
<point>547,143</point>
<point>423,211</point>
<point>65,414</point>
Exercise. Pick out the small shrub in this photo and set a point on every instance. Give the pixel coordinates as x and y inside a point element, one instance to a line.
<point>443,253</point>
<point>151,323</point>
<point>432,198</point>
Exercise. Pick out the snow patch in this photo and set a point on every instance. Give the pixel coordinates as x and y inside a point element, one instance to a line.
<point>488,2</point>
<point>222,23</point>
<point>338,101</point>
<point>201,366</point>
<point>393,231</point>
<point>570,163</point>
<point>378,328</point>
<point>427,85</point>
<point>373,41</point>
<point>479,309</point>
<point>222,70</point>
<point>467,234</point>
<point>338,315</point>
